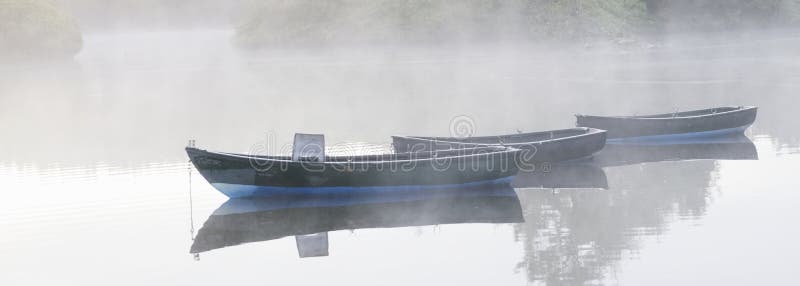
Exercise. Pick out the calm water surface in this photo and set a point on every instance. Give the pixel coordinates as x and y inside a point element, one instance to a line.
<point>96,188</point>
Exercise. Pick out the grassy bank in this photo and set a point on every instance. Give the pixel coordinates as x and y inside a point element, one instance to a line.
<point>36,29</point>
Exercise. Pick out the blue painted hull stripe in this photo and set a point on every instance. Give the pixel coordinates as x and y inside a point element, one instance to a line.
<point>248,205</point>
<point>240,191</point>
<point>677,138</point>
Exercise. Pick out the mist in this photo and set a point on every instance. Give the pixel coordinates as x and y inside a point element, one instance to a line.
<point>99,98</point>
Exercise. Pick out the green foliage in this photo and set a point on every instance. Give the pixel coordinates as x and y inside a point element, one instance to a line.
<point>36,29</point>
<point>585,18</point>
<point>791,12</point>
<point>716,15</point>
<point>277,22</point>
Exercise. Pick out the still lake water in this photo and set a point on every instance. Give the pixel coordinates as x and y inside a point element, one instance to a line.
<point>96,187</point>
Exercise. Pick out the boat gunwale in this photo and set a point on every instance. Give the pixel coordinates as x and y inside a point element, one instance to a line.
<point>588,131</point>
<point>645,117</point>
<point>495,150</point>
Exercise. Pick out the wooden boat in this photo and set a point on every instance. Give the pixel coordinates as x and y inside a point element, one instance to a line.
<point>240,175</point>
<point>737,147</point>
<point>240,221</point>
<point>547,146</point>
<point>678,125</point>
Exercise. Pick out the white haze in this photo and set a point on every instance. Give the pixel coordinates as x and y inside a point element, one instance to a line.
<point>92,161</point>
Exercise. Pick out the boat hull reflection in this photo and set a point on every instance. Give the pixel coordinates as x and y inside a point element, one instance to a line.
<point>240,221</point>
<point>563,176</point>
<point>724,148</point>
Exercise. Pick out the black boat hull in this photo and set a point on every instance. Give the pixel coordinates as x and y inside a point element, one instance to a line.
<point>699,123</point>
<point>574,147</point>
<point>239,176</point>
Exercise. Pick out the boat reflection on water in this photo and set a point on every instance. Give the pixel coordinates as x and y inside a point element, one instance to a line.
<point>563,176</point>
<point>309,218</point>
<point>578,236</point>
<point>721,148</point>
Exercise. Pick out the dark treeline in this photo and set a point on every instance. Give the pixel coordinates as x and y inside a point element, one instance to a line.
<point>388,21</point>
<point>420,21</point>
<point>54,26</point>
<point>711,15</point>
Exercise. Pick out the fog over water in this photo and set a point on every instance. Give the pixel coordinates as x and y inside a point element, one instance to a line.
<point>97,187</point>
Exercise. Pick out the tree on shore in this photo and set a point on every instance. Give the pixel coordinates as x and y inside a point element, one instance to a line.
<point>37,29</point>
